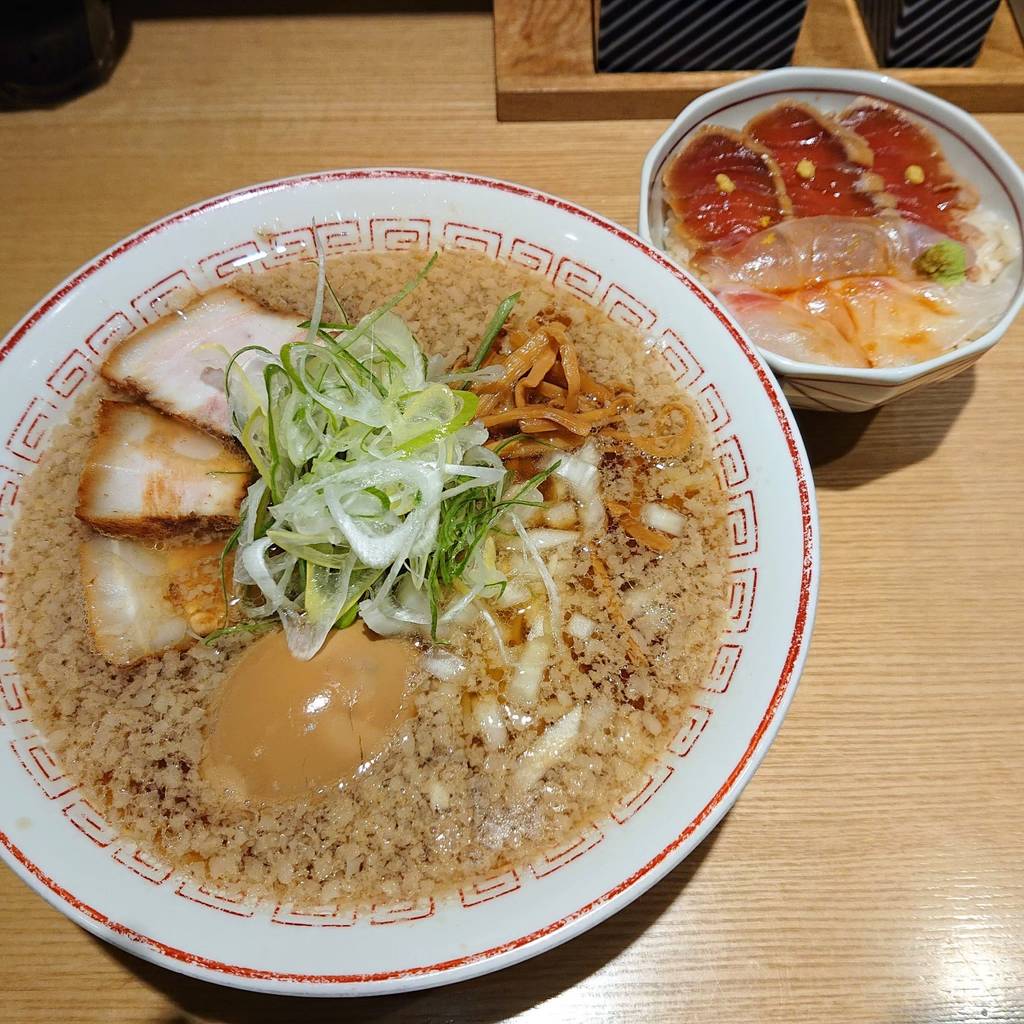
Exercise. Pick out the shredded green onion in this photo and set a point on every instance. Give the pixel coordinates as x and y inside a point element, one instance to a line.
<point>375,495</point>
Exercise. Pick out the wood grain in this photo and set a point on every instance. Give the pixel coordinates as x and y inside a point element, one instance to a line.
<point>544,64</point>
<point>871,873</point>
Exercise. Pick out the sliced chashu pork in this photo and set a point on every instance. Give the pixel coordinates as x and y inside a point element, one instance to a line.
<point>177,364</point>
<point>141,601</point>
<point>147,475</point>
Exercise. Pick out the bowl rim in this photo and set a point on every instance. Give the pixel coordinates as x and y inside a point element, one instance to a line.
<point>596,910</point>
<point>971,132</point>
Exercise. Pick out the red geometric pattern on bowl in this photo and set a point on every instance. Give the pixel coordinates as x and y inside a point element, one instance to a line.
<point>12,695</point>
<point>43,767</point>
<point>488,889</point>
<point>288,246</point>
<point>402,913</point>
<point>225,263</point>
<point>472,238</point>
<point>175,291</point>
<point>660,774</point>
<point>143,864</point>
<point>731,462</point>
<point>723,668</point>
<point>236,906</point>
<point>389,233</point>
<point>117,326</point>
<point>531,256</point>
<point>577,278</point>
<point>696,722</point>
<point>686,368</point>
<point>742,521</point>
<point>712,405</point>
<point>555,859</point>
<point>742,590</point>
<point>74,371</point>
<point>10,481</point>
<point>313,917</point>
<point>28,438</point>
<point>338,236</point>
<point>628,310</point>
<point>396,233</point>
<point>89,821</point>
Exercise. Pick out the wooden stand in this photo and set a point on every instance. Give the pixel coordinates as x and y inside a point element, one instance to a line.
<point>544,65</point>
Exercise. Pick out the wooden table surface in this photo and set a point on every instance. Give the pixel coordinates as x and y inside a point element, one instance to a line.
<point>872,871</point>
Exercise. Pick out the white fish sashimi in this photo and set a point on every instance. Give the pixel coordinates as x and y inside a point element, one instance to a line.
<point>808,251</point>
<point>147,475</point>
<point>177,364</point>
<point>869,321</point>
<point>775,323</point>
<point>141,602</point>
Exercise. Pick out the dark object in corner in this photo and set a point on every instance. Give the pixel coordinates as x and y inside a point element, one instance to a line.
<point>52,50</point>
<point>926,34</point>
<point>695,35</point>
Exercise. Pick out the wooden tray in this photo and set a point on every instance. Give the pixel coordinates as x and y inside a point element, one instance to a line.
<point>544,65</point>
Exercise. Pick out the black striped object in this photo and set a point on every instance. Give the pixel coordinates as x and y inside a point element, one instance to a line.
<point>927,33</point>
<point>696,35</point>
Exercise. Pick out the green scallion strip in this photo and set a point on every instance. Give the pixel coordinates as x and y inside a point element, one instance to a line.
<point>229,546</point>
<point>328,325</point>
<point>406,290</point>
<point>501,314</point>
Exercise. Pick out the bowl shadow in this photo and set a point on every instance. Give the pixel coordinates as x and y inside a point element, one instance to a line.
<point>490,998</point>
<point>847,450</point>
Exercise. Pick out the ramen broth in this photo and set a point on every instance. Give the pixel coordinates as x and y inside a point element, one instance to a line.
<point>397,768</point>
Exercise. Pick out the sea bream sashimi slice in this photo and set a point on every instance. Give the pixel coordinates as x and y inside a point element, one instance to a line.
<point>723,187</point>
<point>896,323</point>
<point>806,251</point>
<point>868,321</point>
<point>909,159</point>
<point>141,601</point>
<point>177,364</point>
<point>147,475</point>
<point>784,327</point>
<point>826,168</point>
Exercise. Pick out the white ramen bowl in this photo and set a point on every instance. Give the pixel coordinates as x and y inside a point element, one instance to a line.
<point>62,846</point>
<point>970,150</point>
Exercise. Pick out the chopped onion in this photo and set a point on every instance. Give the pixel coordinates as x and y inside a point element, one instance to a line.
<point>589,454</point>
<point>554,602</point>
<point>577,472</point>
<point>499,640</point>
<point>562,516</point>
<point>537,623</point>
<point>544,540</point>
<point>592,514</point>
<point>550,747</point>
<point>581,627</point>
<point>489,721</point>
<point>638,601</point>
<point>580,472</point>
<point>514,595</point>
<point>442,664</point>
<point>524,686</point>
<point>660,517</point>
<point>438,795</point>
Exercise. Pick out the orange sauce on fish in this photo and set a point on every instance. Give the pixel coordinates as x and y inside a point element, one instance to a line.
<point>287,729</point>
